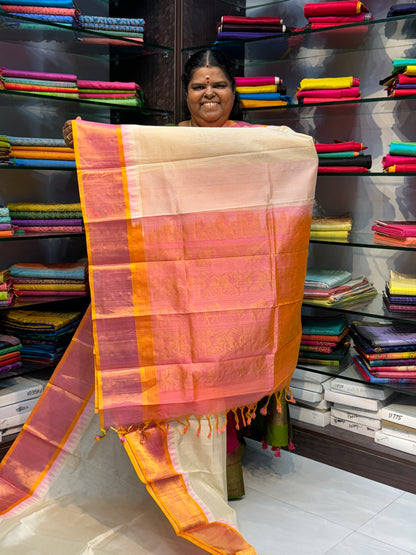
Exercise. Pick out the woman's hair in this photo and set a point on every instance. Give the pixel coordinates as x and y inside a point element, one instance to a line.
<point>215,58</point>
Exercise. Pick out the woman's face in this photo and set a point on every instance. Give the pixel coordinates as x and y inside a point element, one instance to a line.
<point>210,97</point>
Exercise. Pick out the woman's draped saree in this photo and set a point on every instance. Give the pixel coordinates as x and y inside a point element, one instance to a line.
<point>197,244</point>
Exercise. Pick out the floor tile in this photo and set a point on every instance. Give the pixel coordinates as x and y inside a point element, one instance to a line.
<point>330,493</point>
<point>359,544</point>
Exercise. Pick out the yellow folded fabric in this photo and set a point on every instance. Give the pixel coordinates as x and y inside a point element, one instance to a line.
<point>45,155</point>
<point>18,148</point>
<point>336,234</point>
<point>402,284</point>
<point>51,287</point>
<point>326,83</point>
<point>262,103</point>
<point>255,90</point>
<point>331,223</point>
<point>44,207</point>
<point>410,70</point>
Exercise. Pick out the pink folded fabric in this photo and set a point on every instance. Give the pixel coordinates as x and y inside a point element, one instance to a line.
<point>342,169</point>
<point>12,8</point>
<point>37,75</point>
<point>339,147</point>
<point>389,160</point>
<point>257,81</point>
<point>339,19</point>
<point>406,79</point>
<point>107,95</point>
<point>345,7</point>
<point>353,30</point>
<point>329,93</point>
<point>318,99</point>
<point>114,85</point>
<point>396,229</point>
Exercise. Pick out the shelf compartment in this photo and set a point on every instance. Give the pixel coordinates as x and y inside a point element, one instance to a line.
<point>365,240</point>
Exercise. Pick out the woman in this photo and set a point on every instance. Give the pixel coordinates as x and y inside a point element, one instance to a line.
<point>212,101</point>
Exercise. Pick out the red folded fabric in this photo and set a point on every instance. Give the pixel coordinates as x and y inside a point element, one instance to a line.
<point>329,93</point>
<point>395,229</point>
<point>342,169</point>
<point>12,8</point>
<point>240,20</point>
<point>406,79</point>
<point>402,168</point>
<point>345,7</point>
<point>339,147</point>
<point>257,81</point>
<point>403,92</point>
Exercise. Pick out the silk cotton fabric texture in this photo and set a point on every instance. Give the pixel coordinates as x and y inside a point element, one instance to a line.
<point>197,242</point>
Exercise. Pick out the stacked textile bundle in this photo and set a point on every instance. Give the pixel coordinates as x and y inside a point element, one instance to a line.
<point>399,233</point>
<point>10,359</point>
<point>324,341</point>
<point>62,12</point>
<point>44,334</point>
<point>402,9</point>
<point>54,280</point>
<point>123,31</point>
<point>41,152</point>
<point>336,288</point>
<point>41,217</point>
<point>356,407</point>
<point>343,157</point>
<point>400,292</point>
<point>402,80</point>
<point>385,352</point>
<point>262,92</point>
<point>111,92</point>
<point>398,424</point>
<point>331,14</point>
<point>4,149</point>
<point>6,289</point>
<point>331,227</point>
<point>234,27</point>
<point>5,222</point>
<point>401,157</point>
<point>328,89</point>
<point>62,85</point>
<point>308,390</point>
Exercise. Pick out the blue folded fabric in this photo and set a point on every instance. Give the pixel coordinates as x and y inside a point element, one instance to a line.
<point>35,163</point>
<point>401,9</point>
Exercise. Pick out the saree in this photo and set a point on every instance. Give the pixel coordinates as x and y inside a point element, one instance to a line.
<point>197,242</point>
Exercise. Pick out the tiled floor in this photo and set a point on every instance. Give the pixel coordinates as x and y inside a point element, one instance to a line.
<point>298,506</point>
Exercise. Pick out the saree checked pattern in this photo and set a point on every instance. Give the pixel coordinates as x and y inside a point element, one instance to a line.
<point>197,242</point>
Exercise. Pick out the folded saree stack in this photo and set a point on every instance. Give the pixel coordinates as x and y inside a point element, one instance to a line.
<point>62,85</point>
<point>331,227</point>
<point>44,335</point>
<point>399,294</point>
<point>6,290</point>
<point>62,12</point>
<point>325,340</point>
<point>111,92</point>
<point>40,217</point>
<point>396,233</point>
<point>4,150</point>
<point>332,14</point>
<point>343,157</point>
<point>123,31</point>
<point>232,27</point>
<point>328,89</point>
<point>10,359</point>
<point>401,157</point>
<point>385,352</point>
<point>65,279</point>
<point>5,222</point>
<point>336,288</point>
<point>402,80</point>
<point>40,152</point>
<point>262,92</point>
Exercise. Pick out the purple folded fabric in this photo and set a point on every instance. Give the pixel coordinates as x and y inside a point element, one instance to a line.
<point>37,75</point>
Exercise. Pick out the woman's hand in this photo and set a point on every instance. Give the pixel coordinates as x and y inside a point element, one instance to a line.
<point>67,132</point>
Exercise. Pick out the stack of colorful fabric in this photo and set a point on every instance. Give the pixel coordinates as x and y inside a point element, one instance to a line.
<point>325,340</point>
<point>234,27</point>
<point>343,157</point>
<point>328,89</point>
<point>399,233</point>
<point>41,152</point>
<point>400,292</point>
<point>46,217</point>
<point>331,14</point>
<point>62,12</point>
<point>6,290</point>
<point>62,85</point>
<point>401,157</point>
<point>385,351</point>
<point>402,79</point>
<point>331,227</point>
<point>4,150</point>
<point>336,288</point>
<point>65,279</point>
<point>262,92</point>
<point>119,28</point>
<point>111,92</point>
<point>10,358</point>
<point>5,222</point>
<point>44,335</point>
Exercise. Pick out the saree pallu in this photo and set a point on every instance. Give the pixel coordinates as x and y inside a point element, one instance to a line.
<point>197,241</point>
